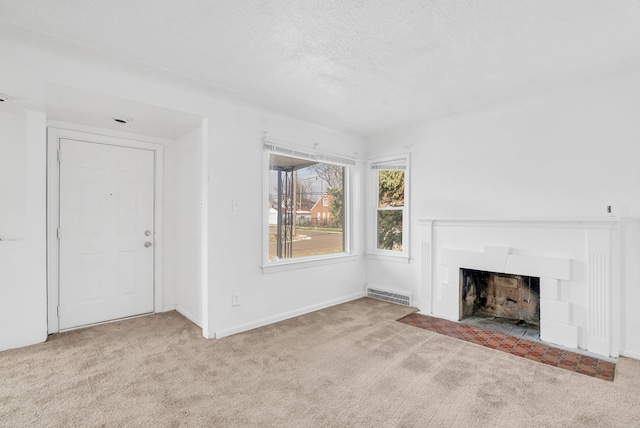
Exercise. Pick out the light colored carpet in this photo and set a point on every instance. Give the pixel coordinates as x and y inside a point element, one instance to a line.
<point>349,365</point>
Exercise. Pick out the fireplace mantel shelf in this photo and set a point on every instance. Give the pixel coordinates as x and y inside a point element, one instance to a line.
<point>564,222</point>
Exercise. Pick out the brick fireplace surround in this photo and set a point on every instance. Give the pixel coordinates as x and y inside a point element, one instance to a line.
<point>575,259</point>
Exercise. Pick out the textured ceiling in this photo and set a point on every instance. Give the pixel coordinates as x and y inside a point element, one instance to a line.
<point>361,66</point>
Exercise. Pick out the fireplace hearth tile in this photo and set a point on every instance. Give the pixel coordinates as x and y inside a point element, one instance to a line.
<point>519,346</point>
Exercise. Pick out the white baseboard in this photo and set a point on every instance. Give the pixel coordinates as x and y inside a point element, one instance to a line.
<point>188,316</point>
<point>631,354</point>
<point>286,315</point>
<point>168,308</point>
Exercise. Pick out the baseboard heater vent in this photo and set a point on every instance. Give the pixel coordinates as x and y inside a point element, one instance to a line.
<point>389,296</point>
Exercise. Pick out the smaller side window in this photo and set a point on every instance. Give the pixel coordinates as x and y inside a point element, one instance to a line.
<point>389,219</point>
<point>390,216</point>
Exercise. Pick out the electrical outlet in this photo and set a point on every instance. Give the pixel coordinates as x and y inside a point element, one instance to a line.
<point>235,299</point>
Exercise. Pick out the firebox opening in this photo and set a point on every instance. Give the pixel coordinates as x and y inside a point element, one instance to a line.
<point>497,295</point>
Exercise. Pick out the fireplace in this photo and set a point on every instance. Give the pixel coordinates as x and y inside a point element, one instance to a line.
<point>515,298</point>
<point>573,262</point>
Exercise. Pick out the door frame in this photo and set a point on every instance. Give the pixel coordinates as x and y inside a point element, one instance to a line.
<point>58,131</point>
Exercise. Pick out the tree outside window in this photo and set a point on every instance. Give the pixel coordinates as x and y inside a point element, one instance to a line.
<point>390,219</point>
<point>306,205</point>
<point>390,209</point>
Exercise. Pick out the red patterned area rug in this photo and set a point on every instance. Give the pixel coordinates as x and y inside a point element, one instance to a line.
<point>536,351</point>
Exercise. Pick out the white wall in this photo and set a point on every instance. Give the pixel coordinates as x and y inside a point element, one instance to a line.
<point>235,172</point>
<point>182,255</point>
<point>568,152</point>
<point>630,317</point>
<point>12,175</point>
<point>23,303</point>
<point>235,238</point>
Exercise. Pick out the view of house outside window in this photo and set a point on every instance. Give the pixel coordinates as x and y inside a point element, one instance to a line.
<point>306,207</point>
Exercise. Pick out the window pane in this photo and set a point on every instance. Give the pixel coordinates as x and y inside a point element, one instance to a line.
<point>390,188</point>
<point>306,207</point>
<point>390,230</point>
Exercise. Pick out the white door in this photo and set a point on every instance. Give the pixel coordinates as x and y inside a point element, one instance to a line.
<point>106,232</point>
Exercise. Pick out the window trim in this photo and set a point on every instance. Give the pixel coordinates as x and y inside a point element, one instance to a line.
<point>373,252</point>
<point>268,265</point>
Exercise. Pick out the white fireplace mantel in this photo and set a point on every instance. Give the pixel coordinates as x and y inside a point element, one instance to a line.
<point>575,259</point>
<point>543,222</point>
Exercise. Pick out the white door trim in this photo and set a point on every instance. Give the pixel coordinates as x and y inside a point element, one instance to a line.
<point>53,209</point>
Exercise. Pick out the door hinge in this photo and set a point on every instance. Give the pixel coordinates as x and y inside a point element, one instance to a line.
<point>58,233</point>
<point>59,155</point>
<point>58,310</point>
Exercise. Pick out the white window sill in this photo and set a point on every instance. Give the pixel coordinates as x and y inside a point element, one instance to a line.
<point>387,258</point>
<point>305,262</point>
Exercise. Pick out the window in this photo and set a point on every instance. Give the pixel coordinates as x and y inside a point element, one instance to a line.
<point>307,201</point>
<point>389,215</point>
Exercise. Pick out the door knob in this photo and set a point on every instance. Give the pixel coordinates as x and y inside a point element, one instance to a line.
<point>147,244</point>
